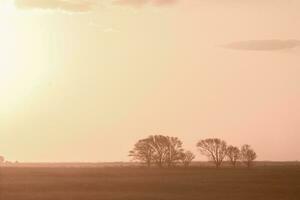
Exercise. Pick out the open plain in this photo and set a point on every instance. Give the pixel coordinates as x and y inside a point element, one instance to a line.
<point>280,182</point>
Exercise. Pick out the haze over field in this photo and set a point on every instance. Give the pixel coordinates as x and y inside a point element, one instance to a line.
<point>84,80</point>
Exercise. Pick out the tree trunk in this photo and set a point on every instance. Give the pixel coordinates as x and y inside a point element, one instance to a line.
<point>148,164</point>
<point>234,164</point>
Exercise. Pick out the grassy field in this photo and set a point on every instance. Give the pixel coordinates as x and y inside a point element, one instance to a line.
<point>57,183</point>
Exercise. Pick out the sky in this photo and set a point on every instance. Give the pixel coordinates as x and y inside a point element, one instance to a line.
<point>83,80</point>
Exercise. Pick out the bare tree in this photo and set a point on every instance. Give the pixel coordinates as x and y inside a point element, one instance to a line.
<point>158,149</point>
<point>248,155</point>
<point>186,158</point>
<point>167,150</point>
<point>215,149</point>
<point>159,145</point>
<point>142,151</point>
<point>174,151</point>
<point>233,155</point>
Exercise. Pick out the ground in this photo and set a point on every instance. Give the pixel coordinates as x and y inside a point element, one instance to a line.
<point>133,183</point>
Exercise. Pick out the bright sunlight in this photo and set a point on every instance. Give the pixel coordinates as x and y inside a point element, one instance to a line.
<point>20,69</point>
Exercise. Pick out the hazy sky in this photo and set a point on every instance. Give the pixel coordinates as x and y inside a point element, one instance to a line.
<point>83,80</point>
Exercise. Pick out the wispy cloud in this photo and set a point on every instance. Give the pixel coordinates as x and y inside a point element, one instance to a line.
<point>62,5</point>
<point>263,45</point>
<point>139,3</point>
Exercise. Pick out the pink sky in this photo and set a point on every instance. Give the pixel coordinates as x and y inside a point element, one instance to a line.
<point>88,80</point>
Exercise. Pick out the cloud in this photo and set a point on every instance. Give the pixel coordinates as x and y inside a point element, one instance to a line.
<point>139,3</point>
<point>63,5</point>
<point>263,45</point>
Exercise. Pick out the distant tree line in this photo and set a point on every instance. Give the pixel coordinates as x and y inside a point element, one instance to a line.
<point>165,151</point>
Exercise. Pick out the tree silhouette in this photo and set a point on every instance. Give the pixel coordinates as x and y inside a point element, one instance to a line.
<point>159,145</point>
<point>186,158</point>
<point>158,149</point>
<point>174,151</point>
<point>142,151</point>
<point>233,155</point>
<point>215,149</point>
<point>248,155</point>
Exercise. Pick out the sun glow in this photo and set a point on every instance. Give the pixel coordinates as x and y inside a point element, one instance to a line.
<point>7,7</point>
<point>8,49</point>
<point>20,62</point>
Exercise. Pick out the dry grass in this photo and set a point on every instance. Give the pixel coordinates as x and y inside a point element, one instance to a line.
<point>261,183</point>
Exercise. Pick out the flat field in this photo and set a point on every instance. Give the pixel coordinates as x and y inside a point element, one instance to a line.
<point>133,183</point>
